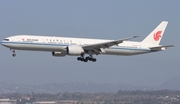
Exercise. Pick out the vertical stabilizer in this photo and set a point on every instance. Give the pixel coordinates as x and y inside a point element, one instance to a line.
<point>156,35</point>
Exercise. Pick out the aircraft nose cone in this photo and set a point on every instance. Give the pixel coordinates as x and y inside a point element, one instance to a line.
<point>2,43</point>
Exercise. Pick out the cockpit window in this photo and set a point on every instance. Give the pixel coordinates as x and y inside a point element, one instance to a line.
<point>6,39</point>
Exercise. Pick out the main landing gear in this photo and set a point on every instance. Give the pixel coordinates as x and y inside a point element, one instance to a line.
<point>89,58</point>
<point>13,51</point>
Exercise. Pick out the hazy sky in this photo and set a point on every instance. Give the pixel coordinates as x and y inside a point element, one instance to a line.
<point>106,19</point>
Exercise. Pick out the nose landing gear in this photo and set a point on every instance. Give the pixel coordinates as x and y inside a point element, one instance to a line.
<point>14,53</point>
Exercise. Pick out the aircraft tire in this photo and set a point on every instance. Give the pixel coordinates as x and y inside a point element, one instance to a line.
<point>14,55</point>
<point>94,60</point>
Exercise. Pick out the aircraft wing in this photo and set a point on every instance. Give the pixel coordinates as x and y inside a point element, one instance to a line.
<point>161,47</point>
<point>97,48</point>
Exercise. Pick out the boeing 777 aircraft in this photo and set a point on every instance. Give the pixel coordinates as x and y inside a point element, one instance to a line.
<point>62,46</point>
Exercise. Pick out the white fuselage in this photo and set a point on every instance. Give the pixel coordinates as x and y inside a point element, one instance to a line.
<point>59,44</point>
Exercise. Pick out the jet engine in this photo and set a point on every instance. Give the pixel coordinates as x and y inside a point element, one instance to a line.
<point>75,50</point>
<point>59,54</point>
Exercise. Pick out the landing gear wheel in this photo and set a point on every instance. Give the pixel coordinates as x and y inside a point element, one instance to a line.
<point>14,55</point>
<point>90,59</point>
<point>86,59</point>
<point>79,58</point>
<point>94,60</point>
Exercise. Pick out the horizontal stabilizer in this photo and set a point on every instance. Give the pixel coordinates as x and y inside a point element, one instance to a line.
<point>164,47</point>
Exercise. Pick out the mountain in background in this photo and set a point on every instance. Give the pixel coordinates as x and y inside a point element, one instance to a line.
<point>173,84</point>
<point>89,87</point>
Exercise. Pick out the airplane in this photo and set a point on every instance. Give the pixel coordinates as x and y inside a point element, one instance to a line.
<point>62,46</point>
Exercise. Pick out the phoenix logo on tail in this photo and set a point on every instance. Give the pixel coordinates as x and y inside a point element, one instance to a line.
<point>157,35</point>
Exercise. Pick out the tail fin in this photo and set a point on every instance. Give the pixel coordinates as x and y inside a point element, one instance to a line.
<point>156,35</point>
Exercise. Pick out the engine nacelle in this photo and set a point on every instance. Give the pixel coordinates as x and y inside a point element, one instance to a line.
<point>75,50</point>
<point>59,54</point>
